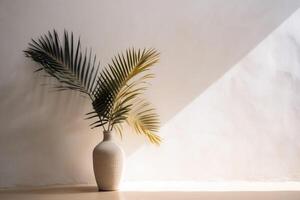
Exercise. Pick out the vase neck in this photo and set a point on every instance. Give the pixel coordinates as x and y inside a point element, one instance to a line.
<point>107,136</point>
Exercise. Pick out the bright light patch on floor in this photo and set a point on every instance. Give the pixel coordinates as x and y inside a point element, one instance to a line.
<point>209,186</point>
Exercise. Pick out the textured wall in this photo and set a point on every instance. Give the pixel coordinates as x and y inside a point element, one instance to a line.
<point>246,126</point>
<point>43,139</point>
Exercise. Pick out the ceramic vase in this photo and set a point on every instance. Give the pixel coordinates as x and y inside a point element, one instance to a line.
<point>108,162</point>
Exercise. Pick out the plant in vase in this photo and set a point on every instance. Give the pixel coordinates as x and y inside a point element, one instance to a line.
<point>116,94</point>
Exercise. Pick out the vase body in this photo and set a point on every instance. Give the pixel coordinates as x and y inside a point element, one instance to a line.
<point>108,161</point>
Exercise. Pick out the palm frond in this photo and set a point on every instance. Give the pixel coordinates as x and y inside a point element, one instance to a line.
<point>65,61</point>
<point>121,82</point>
<point>114,92</point>
<point>144,120</point>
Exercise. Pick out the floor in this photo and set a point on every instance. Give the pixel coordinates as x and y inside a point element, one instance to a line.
<point>91,193</point>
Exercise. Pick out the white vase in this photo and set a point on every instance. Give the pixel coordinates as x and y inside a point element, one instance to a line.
<point>108,159</point>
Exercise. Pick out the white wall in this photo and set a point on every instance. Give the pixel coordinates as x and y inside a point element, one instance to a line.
<point>245,127</point>
<point>43,139</point>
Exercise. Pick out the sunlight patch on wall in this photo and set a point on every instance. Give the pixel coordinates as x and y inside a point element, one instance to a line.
<point>244,127</point>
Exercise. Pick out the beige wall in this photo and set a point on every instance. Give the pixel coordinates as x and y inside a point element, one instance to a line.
<point>43,139</point>
<point>245,127</point>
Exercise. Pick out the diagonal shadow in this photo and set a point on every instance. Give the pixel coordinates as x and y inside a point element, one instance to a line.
<point>174,89</point>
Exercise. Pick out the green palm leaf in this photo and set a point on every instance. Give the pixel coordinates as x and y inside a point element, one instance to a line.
<point>118,87</point>
<point>65,61</point>
<point>143,119</point>
<point>115,92</point>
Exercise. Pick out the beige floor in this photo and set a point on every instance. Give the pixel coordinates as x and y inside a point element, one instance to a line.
<point>90,193</point>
